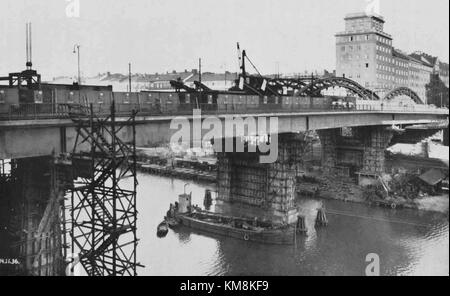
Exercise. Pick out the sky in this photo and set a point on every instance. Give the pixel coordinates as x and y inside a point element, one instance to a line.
<point>165,35</point>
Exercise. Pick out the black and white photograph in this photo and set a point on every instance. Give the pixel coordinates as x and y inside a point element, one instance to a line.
<point>224,143</point>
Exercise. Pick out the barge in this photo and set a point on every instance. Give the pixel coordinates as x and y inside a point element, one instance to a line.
<point>235,227</point>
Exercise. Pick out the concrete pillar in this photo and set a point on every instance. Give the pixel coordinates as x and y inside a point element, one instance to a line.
<point>446,136</point>
<point>328,139</point>
<point>252,189</point>
<point>224,170</point>
<point>375,140</point>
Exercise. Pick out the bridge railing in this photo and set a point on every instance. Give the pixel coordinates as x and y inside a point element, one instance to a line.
<point>49,111</point>
<point>33,111</point>
<point>398,109</point>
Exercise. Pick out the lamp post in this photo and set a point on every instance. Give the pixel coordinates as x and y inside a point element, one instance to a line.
<point>76,49</point>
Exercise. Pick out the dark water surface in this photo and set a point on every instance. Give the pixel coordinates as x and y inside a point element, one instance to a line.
<point>408,242</point>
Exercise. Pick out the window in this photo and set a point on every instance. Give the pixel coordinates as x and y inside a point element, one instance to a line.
<point>2,96</point>
<point>367,65</point>
<point>70,99</point>
<point>100,98</point>
<point>38,97</point>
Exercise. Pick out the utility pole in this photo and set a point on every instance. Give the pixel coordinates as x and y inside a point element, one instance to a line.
<point>200,70</point>
<point>200,80</point>
<point>76,49</point>
<point>278,69</point>
<point>129,76</point>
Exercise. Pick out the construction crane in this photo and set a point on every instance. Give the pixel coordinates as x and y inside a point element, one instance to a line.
<point>28,76</point>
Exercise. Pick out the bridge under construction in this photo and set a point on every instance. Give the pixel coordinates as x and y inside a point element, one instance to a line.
<point>62,199</point>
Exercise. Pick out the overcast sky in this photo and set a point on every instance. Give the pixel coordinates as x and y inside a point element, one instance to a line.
<point>162,35</point>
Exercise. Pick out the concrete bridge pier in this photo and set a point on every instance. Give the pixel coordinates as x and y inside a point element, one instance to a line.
<point>31,218</point>
<point>371,142</point>
<point>249,188</point>
<point>375,140</point>
<point>446,137</point>
<point>329,141</point>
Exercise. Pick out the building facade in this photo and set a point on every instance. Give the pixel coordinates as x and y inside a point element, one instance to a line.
<point>365,54</point>
<point>215,81</point>
<point>438,68</point>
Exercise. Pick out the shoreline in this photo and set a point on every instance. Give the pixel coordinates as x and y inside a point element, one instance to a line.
<point>409,205</point>
<point>418,205</point>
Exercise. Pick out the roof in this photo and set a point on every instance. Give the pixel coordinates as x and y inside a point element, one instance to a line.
<point>169,76</point>
<point>207,76</point>
<point>364,15</point>
<point>424,58</point>
<point>433,177</point>
<point>397,53</point>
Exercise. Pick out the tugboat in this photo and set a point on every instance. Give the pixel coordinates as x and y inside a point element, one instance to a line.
<point>240,228</point>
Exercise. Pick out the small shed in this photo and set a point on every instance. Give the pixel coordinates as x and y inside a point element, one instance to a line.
<point>434,178</point>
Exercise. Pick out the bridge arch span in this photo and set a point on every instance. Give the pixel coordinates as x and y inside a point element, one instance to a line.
<point>318,85</point>
<point>404,91</point>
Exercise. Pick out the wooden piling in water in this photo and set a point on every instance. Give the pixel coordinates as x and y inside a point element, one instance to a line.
<point>301,225</point>
<point>321,219</point>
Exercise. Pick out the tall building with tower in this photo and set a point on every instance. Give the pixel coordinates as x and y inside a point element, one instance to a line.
<point>364,51</point>
<point>365,54</point>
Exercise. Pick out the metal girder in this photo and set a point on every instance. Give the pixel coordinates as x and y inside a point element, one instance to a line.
<point>202,87</point>
<point>31,77</point>
<point>404,91</point>
<point>316,86</point>
<point>179,85</point>
<point>305,86</point>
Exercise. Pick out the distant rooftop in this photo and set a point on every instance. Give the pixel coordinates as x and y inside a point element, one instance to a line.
<point>207,76</point>
<point>400,54</point>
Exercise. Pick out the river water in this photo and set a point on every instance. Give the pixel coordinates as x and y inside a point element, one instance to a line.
<point>408,242</point>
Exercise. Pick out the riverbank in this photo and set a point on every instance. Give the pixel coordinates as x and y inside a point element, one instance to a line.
<point>177,172</point>
<point>314,184</point>
<point>344,190</point>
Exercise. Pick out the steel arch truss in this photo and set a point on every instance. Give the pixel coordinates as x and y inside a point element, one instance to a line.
<point>305,86</point>
<point>318,85</point>
<point>403,91</point>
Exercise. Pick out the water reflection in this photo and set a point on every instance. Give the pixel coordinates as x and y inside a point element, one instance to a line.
<point>408,242</point>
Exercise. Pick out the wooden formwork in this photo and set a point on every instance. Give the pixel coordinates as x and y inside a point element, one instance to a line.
<point>241,178</point>
<point>34,233</point>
